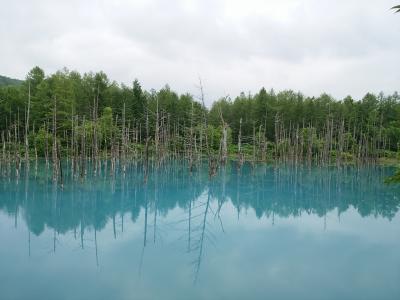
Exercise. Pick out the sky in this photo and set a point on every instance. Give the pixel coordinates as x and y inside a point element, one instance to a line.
<point>341,47</point>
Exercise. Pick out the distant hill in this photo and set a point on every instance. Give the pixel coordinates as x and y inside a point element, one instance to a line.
<point>9,81</point>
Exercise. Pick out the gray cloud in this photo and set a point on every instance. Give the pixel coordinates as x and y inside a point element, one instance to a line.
<point>340,47</point>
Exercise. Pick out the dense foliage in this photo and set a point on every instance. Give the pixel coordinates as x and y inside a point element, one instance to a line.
<point>105,111</point>
<point>372,115</point>
<point>75,95</point>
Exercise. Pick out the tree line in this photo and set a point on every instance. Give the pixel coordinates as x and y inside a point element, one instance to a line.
<point>88,116</point>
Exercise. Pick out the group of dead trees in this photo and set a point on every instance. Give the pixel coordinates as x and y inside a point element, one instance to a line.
<point>106,146</point>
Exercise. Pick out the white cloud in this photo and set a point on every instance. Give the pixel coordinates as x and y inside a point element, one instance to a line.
<point>341,47</point>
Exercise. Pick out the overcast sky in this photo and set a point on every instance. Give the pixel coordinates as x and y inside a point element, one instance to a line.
<point>338,46</point>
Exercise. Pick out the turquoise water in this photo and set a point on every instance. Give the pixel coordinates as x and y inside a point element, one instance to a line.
<point>275,232</point>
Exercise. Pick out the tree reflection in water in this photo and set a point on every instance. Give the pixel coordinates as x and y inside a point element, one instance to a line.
<point>269,190</point>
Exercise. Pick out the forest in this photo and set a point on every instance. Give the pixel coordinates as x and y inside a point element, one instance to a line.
<point>90,118</point>
<point>9,81</point>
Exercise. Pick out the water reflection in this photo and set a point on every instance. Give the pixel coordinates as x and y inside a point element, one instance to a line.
<point>268,190</point>
<point>86,207</point>
<point>196,212</point>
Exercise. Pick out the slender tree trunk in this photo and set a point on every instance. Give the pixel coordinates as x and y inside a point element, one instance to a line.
<point>54,150</point>
<point>27,126</point>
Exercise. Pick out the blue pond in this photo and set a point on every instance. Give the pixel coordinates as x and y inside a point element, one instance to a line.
<point>273,232</point>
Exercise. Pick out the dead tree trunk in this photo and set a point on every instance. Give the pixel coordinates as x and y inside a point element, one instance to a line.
<point>27,126</point>
<point>240,154</point>
<point>224,140</point>
<point>54,150</point>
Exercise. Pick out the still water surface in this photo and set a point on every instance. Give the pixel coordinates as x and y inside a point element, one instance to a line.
<point>269,233</point>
